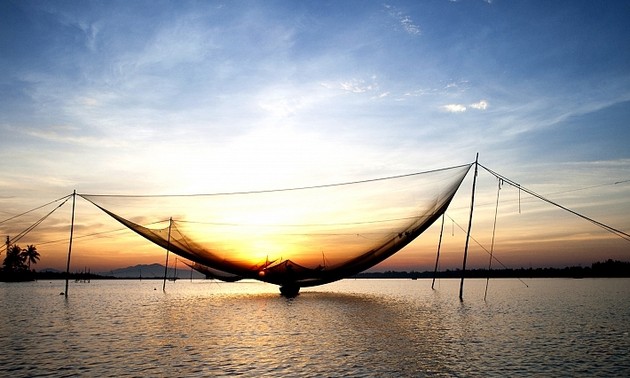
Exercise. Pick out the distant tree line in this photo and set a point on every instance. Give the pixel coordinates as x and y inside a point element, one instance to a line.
<point>608,268</point>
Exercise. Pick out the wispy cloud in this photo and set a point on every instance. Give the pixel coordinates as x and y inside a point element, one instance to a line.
<point>69,135</point>
<point>454,108</point>
<point>460,108</point>
<point>481,105</point>
<point>91,34</point>
<point>358,85</point>
<point>405,21</point>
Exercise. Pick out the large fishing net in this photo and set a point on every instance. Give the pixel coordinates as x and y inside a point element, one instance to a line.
<point>291,237</point>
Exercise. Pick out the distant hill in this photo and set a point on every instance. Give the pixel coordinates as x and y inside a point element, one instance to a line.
<point>50,270</point>
<point>150,271</point>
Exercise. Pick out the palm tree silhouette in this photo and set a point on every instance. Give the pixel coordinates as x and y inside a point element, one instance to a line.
<point>31,255</point>
<point>14,260</point>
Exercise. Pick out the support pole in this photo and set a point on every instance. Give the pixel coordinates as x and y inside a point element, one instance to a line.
<point>437,259</point>
<point>472,206</point>
<point>494,231</point>
<point>175,274</point>
<point>168,247</point>
<point>74,198</point>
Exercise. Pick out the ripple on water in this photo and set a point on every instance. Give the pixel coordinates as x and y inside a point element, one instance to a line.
<point>350,328</point>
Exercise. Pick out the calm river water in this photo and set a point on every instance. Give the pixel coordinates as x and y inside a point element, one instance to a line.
<point>353,328</point>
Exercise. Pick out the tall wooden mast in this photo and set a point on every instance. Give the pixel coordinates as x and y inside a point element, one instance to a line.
<point>168,247</point>
<point>472,206</point>
<point>74,198</point>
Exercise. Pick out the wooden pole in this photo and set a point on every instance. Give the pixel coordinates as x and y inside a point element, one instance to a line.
<point>494,230</point>
<point>437,259</point>
<point>168,247</point>
<point>74,197</point>
<point>175,274</point>
<point>472,206</point>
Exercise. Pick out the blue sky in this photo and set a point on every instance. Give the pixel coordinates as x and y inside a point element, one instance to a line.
<point>187,97</point>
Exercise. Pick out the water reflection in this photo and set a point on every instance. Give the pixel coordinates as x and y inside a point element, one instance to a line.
<point>352,328</point>
<point>352,334</point>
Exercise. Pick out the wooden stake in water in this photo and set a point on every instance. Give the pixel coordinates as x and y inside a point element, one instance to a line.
<point>437,259</point>
<point>472,206</point>
<point>168,247</point>
<point>74,196</point>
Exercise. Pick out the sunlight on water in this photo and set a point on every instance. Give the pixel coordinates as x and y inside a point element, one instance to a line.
<point>349,328</point>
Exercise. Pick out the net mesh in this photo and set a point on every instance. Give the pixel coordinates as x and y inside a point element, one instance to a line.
<point>301,237</point>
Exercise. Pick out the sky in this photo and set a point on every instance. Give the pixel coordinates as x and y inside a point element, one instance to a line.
<point>182,97</point>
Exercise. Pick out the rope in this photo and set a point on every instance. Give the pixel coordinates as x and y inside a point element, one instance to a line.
<point>97,234</point>
<point>484,248</point>
<point>37,223</point>
<point>302,224</point>
<point>494,229</point>
<point>610,229</point>
<point>276,190</point>
<point>37,208</point>
<point>519,199</point>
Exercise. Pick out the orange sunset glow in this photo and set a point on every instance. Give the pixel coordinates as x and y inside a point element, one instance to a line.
<point>322,227</point>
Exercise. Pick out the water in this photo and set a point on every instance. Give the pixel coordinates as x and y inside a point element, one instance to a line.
<point>354,328</point>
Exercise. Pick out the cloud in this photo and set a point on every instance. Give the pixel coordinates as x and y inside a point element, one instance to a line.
<point>182,41</point>
<point>459,86</point>
<point>460,108</point>
<point>404,20</point>
<point>65,134</point>
<point>357,86</point>
<point>481,105</point>
<point>454,108</point>
<point>90,31</point>
<point>409,26</point>
<point>281,107</point>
